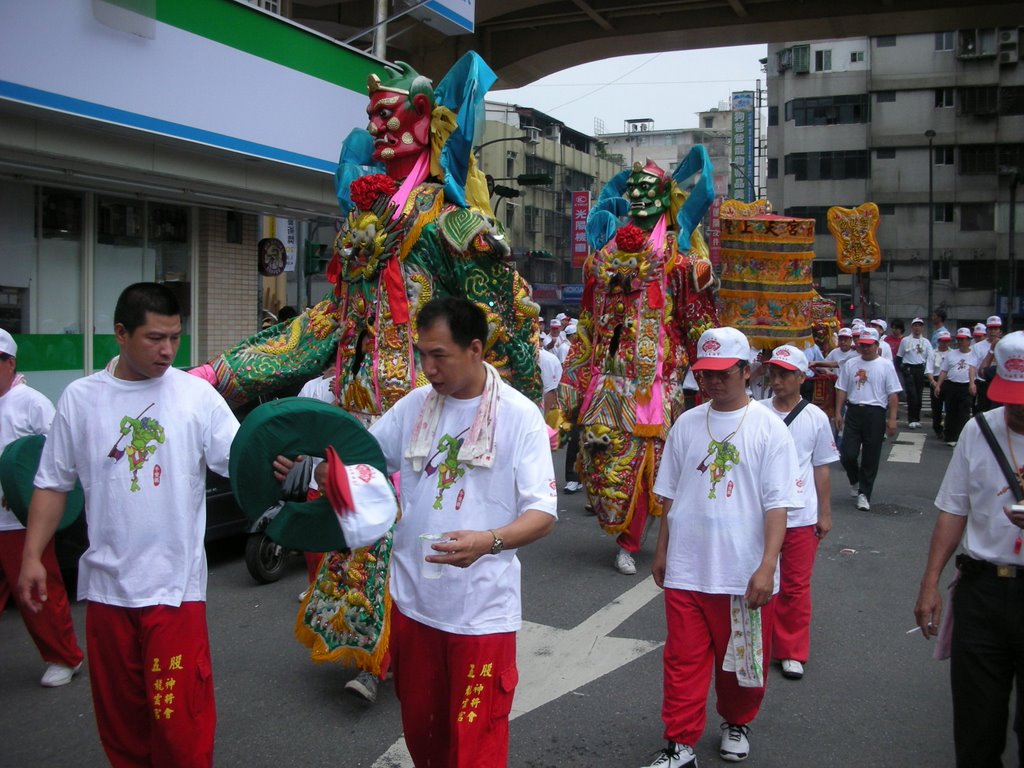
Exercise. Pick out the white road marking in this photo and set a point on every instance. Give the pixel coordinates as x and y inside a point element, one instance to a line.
<point>553,662</point>
<point>907,454</point>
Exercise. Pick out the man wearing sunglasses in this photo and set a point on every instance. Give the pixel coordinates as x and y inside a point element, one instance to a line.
<point>733,467</point>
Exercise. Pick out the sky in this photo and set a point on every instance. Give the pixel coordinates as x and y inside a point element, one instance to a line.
<point>669,87</point>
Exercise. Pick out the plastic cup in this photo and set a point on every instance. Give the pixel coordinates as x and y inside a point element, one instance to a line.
<point>431,570</point>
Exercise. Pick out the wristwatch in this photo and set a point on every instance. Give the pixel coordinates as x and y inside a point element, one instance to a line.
<point>498,545</point>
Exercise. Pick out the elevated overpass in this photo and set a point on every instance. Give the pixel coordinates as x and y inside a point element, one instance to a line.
<point>524,40</point>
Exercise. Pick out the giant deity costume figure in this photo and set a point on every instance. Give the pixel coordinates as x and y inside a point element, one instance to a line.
<point>648,295</point>
<point>418,226</point>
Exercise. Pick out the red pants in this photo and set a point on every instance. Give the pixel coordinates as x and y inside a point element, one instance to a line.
<point>456,694</point>
<point>51,629</point>
<point>698,636</point>
<point>791,638</point>
<point>312,564</point>
<point>631,538</point>
<point>152,684</point>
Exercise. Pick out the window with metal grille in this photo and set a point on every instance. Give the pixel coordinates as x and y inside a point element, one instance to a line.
<point>978,100</point>
<point>977,217</point>
<point>977,158</point>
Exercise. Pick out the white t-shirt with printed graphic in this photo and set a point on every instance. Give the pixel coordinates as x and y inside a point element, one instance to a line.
<point>449,495</point>
<point>141,449</point>
<point>868,382</point>
<point>975,487</point>
<point>23,411</point>
<point>716,523</point>
<point>957,366</point>
<point>934,365</point>
<point>838,356</point>
<point>815,447</point>
<point>915,351</point>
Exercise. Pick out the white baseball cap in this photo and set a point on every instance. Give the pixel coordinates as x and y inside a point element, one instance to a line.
<point>570,329</point>
<point>845,332</point>
<point>555,323</point>
<point>994,322</point>
<point>362,499</point>
<point>980,329</point>
<point>868,336</point>
<point>882,325</point>
<point>963,333</point>
<point>8,345</point>
<point>789,357</point>
<point>721,348</point>
<point>943,335</point>
<point>917,320</point>
<point>1007,386</point>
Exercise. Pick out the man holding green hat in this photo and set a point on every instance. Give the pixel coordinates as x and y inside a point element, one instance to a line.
<point>24,411</point>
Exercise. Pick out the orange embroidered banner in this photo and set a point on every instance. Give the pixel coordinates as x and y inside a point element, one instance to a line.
<point>854,230</point>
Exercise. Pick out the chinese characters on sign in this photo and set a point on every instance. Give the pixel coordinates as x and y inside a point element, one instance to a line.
<point>580,207</point>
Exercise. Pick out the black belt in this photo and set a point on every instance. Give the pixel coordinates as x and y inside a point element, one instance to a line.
<point>864,405</point>
<point>914,365</point>
<point>970,567</point>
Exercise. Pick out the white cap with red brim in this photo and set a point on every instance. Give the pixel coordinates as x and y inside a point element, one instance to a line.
<point>721,348</point>
<point>362,499</point>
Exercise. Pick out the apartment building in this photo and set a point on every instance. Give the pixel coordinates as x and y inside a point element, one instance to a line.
<point>928,126</point>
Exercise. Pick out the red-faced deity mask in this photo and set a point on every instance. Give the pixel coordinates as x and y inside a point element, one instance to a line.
<point>400,127</point>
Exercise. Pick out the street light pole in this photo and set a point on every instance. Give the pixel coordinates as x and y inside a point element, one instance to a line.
<point>1012,292</point>
<point>930,134</point>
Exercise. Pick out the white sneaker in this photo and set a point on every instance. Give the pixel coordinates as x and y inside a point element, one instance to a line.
<point>951,443</point>
<point>363,685</point>
<point>573,486</point>
<point>625,564</point>
<point>675,756</point>
<point>914,425</point>
<point>735,746</point>
<point>862,503</point>
<point>304,593</point>
<point>57,675</point>
<point>792,669</point>
<point>854,490</point>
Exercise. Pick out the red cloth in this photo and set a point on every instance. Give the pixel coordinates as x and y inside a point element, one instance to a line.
<point>632,537</point>
<point>51,629</point>
<point>152,684</point>
<point>698,636</point>
<point>791,638</point>
<point>456,693</point>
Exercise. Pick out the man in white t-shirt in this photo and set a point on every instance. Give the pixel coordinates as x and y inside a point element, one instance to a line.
<point>140,435</point>
<point>914,353</point>
<point>884,350</point>
<point>806,526</point>
<point>983,353</point>
<point>956,384</point>
<point>869,388</point>
<point>550,375</point>
<point>987,603</point>
<point>732,467</point>
<point>844,350</point>
<point>23,412</point>
<point>476,468</point>
<point>932,370</point>
<point>557,343</point>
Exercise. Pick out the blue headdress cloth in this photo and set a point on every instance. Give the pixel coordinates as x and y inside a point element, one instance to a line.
<point>611,205</point>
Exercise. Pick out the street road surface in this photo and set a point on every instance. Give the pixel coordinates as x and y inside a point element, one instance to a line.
<point>589,658</point>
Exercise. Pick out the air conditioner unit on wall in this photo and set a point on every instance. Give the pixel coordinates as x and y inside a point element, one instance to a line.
<point>1008,36</point>
<point>553,132</point>
<point>1007,56</point>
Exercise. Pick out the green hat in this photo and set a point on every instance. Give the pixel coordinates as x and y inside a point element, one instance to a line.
<point>294,426</point>
<point>18,465</point>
